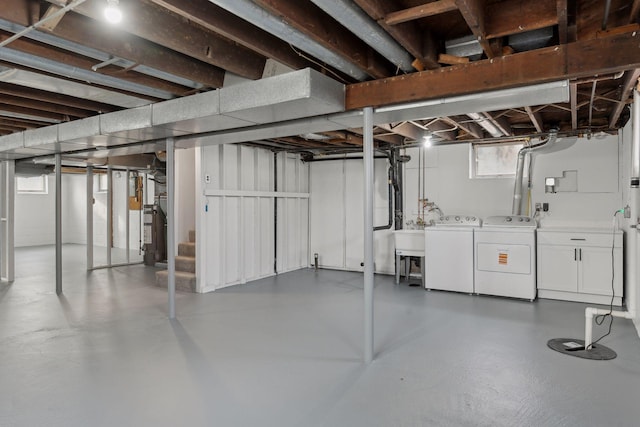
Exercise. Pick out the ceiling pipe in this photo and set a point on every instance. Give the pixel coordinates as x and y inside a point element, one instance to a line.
<point>259,17</point>
<point>98,55</point>
<point>486,124</point>
<point>357,21</point>
<point>60,69</point>
<point>32,27</point>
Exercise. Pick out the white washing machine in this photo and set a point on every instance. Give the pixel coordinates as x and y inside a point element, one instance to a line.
<point>505,257</point>
<point>449,253</point>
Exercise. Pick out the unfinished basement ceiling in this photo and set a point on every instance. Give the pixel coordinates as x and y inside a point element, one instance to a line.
<point>75,65</point>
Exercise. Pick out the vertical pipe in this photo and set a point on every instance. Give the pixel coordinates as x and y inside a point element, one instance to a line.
<point>632,303</point>
<point>58,224</point>
<point>127,219</point>
<point>109,213</point>
<point>275,213</point>
<point>368,234</point>
<point>10,167</point>
<point>171,222</point>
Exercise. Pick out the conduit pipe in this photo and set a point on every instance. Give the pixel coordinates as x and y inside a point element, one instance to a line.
<point>630,313</point>
<point>516,208</point>
<point>259,17</point>
<point>366,29</point>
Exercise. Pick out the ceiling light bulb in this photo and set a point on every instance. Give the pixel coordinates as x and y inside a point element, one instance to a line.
<point>426,140</point>
<point>112,12</point>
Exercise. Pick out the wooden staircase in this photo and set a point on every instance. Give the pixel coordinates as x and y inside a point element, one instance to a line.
<point>185,267</point>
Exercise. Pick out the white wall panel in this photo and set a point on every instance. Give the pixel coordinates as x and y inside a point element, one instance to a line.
<point>239,219</point>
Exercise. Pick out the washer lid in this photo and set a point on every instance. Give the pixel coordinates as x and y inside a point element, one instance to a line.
<point>510,221</point>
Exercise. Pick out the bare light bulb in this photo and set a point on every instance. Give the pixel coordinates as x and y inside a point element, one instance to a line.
<point>426,140</point>
<point>112,12</point>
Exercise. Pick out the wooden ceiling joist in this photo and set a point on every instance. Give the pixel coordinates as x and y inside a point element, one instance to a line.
<point>217,19</point>
<point>630,81</point>
<point>32,112</point>
<point>162,27</point>
<point>45,106</point>
<point>428,9</point>
<point>312,21</point>
<point>473,12</point>
<point>418,42</point>
<point>573,95</point>
<point>635,11</point>
<point>535,118</point>
<point>467,125</point>
<point>580,59</point>
<point>506,18</point>
<point>56,98</point>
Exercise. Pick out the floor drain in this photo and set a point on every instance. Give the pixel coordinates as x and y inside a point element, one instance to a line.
<point>575,347</point>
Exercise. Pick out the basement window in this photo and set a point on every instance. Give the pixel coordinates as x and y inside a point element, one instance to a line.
<point>493,160</point>
<point>32,184</point>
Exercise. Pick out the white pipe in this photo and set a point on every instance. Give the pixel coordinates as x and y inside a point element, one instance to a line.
<point>590,313</point>
<point>171,226</point>
<point>109,212</point>
<point>58,220</point>
<point>89,217</point>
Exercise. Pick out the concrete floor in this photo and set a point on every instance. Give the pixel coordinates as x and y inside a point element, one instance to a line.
<point>286,351</point>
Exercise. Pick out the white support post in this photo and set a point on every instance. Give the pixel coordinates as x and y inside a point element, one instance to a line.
<point>128,220</point>
<point>109,213</point>
<point>7,215</point>
<point>171,221</point>
<point>58,224</point>
<point>368,234</point>
<point>89,217</point>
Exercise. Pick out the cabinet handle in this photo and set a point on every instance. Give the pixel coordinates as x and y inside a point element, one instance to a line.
<point>578,239</point>
<point>575,254</point>
<point>580,254</point>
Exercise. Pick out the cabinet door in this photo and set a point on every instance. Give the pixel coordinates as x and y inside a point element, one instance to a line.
<point>595,272</point>
<point>557,268</point>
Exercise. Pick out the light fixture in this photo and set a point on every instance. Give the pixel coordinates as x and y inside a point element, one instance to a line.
<point>112,12</point>
<point>427,138</point>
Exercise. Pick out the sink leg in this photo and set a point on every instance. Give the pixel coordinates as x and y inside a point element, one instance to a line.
<point>422,270</point>
<point>407,268</point>
<point>397,269</point>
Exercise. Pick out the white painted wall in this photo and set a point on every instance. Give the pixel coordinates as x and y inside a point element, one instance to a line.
<point>337,203</point>
<point>35,217</point>
<point>236,215</point>
<point>185,194</point>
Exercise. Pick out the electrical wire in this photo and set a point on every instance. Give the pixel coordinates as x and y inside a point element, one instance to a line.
<point>599,319</point>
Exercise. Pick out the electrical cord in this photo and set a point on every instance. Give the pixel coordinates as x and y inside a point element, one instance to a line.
<point>600,318</point>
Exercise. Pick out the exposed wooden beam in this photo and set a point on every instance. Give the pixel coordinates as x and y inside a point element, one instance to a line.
<point>217,19</point>
<point>469,127</point>
<point>56,98</point>
<point>79,29</point>
<point>513,17</point>
<point>580,59</point>
<point>428,9</point>
<point>535,118</point>
<point>573,95</point>
<point>62,56</point>
<point>563,21</point>
<point>419,42</point>
<point>473,12</point>
<point>312,21</point>
<point>630,81</point>
<point>501,123</point>
<point>444,58</point>
<point>52,22</point>
<point>443,130</point>
<point>635,11</point>
<point>31,112</point>
<point>11,128</point>
<point>45,106</point>
<point>17,123</point>
<point>166,29</point>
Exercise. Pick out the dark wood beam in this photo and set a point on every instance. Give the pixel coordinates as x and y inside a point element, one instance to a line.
<point>17,124</point>
<point>635,11</point>
<point>468,126</point>
<point>580,59</point>
<point>162,27</point>
<point>563,21</point>
<point>27,123</point>
<point>45,106</point>
<point>443,130</point>
<point>473,12</point>
<point>65,57</point>
<point>500,122</point>
<point>4,126</point>
<point>626,89</point>
<point>419,42</point>
<point>321,28</point>
<point>56,98</point>
<point>49,10</point>
<point>31,112</point>
<point>428,9</point>
<point>535,118</point>
<point>513,17</point>
<point>85,31</point>
<point>217,19</point>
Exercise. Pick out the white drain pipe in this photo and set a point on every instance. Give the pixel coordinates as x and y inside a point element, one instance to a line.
<point>591,312</point>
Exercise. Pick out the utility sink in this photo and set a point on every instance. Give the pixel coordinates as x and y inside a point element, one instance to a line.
<point>409,242</point>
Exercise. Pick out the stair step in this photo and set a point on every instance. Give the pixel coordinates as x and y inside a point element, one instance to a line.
<point>186,264</point>
<point>192,236</point>
<point>184,281</point>
<point>187,249</point>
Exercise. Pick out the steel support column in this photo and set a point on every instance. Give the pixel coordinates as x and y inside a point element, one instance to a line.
<point>58,224</point>
<point>89,217</point>
<point>127,219</point>
<point>368,233</point>
<point>109,212</point>
<point>7,215</point>
<point>171,223</point>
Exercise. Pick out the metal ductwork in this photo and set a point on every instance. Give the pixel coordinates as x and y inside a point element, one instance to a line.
<point>259,17</point>
<point>486,124</point>
<point>351,16</point>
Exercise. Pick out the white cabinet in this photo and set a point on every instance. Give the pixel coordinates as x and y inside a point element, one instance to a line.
<point>579,265</point>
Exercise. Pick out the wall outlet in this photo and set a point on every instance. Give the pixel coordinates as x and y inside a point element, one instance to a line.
<point>207,179</point>
<point>545,207</point>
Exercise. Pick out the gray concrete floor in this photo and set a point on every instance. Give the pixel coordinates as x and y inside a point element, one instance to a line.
<point>286,351</point>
